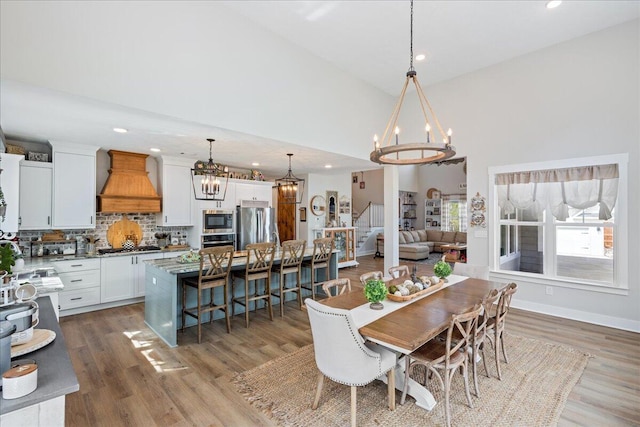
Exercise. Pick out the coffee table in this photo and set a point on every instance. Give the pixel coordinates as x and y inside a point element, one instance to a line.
<point>455,252</point>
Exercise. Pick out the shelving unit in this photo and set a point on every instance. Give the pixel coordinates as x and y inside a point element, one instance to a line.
<point>408,207</point>
<point>432,214</point>
<point>344,238</point>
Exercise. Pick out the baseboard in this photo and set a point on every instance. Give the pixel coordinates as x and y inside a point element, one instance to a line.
<point>87,309</point>
<point>582,316</point>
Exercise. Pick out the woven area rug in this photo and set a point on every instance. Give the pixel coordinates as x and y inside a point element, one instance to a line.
<point>430,260</point>
<point>534,388</point>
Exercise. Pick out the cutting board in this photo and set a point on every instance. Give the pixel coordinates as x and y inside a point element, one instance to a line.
<point>119,230</point>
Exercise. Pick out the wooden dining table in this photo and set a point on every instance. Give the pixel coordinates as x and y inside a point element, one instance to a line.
<point>405,326</point>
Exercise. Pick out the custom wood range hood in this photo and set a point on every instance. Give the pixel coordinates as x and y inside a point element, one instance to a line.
<point>128,188</point>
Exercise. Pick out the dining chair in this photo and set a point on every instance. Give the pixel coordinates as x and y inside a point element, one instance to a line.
<point>259,263</point>
<point>447,356</point>
<point>322,250</point>
<point>343,356</point>
<point>481,333</point>
<point>290,263</point>
<point>496,324</point>
<point>215,266</point>
<point>341,286</point>
<point>377,275</point>
<point>399,271</point>
<point>468,270</point>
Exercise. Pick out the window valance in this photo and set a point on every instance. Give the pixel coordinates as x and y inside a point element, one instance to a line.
<point>577,187</point>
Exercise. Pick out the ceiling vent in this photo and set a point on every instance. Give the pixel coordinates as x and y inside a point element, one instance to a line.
<point>128,188</point>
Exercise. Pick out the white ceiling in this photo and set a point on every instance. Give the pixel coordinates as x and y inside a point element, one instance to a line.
<point>369,39</point>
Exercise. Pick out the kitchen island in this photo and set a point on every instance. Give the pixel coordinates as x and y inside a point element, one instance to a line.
<point>163,304</point>
<point>56,378</point>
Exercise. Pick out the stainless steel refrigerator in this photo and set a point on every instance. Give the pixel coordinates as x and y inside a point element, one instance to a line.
<point>255,225</point>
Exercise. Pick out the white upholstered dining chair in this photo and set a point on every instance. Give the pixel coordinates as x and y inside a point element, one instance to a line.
<point>343,356</point>
<point>475,271</point>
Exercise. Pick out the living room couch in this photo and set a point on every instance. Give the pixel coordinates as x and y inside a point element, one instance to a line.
<point>417,244</point>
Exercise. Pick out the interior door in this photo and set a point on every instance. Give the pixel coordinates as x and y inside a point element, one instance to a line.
<point>286,218</point>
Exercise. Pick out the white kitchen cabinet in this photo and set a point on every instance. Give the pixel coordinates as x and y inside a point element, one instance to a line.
<point>74,186</point>
<point>81,279</point>
<point>122,277</point>
<point>253,190</point>
<point>174,179</point>
<point>10,187</point>
<point>35,195</point>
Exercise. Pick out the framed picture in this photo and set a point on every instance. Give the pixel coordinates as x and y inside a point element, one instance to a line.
<point>345,205</point>
<point>362,185</point>
<point>303,214</point>
<point>354,179</point>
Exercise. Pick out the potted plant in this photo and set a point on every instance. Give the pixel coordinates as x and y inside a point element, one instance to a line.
<point>375,291</point>
<point>442,269</point>
<point>7,258</point>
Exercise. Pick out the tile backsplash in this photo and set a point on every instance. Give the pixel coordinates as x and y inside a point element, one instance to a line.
<point>147,223</point>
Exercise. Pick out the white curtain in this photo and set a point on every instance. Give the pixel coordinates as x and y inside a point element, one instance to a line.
<point>559,189</point>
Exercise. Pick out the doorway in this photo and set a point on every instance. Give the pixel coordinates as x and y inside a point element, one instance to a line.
<point>286,218</point>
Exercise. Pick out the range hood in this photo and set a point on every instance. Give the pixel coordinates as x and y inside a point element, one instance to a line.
<point>128,188</point>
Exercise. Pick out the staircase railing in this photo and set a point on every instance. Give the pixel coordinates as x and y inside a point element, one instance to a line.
<point>371,216</point>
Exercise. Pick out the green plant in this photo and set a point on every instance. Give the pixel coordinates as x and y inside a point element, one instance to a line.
<point>375,290</point>
<point>7,258</point>
<point>442,269</point>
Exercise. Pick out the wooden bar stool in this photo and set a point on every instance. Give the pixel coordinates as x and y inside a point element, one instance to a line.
<point>291,262</point>
<point>259,263</point>
<point>322,249</point>
<point>215,265</point>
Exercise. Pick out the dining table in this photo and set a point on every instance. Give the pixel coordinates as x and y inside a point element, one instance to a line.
<point>405,326</point>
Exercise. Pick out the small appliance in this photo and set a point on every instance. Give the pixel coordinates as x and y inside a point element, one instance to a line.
<point>218,221</point>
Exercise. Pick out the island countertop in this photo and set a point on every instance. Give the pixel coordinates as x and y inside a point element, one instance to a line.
<point>56,377</point>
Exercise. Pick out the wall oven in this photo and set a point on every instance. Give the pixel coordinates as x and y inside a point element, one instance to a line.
<point>218,221</point>
<point>211,240</point>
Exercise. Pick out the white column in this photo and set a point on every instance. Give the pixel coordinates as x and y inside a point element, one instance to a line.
<point>391,216</point>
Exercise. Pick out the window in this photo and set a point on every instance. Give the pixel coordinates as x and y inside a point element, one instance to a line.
<point>454,213</point>
<point>563,224</point>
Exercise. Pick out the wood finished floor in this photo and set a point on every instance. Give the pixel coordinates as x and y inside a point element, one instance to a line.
<point>128,377</point>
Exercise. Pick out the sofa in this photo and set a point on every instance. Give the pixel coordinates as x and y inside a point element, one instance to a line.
<point>417,244</point>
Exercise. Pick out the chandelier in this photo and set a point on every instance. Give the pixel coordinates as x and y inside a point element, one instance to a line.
<point>388,150</point>
<point>213,179</point>
<point>290,188</point>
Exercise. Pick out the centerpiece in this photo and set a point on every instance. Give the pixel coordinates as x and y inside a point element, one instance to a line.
<point>442,269</point>
<point>375,291</point>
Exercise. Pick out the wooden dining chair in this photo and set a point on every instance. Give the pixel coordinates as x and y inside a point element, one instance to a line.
<point>259,263</point>
<point>376,275</point>
<point>478,345</point>
<point>341,286</point>
<point>447,356</point>
<point>290,264</point>
<point>321,259</point>
<point>342,354</point>
<point>399,271</point>
<point>496,324</point>
<point>215,266</point>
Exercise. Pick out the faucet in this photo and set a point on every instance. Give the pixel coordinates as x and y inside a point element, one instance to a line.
<point>277,236</point>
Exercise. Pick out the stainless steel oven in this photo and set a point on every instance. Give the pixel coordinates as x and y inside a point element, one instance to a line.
<point>218,221</point>
<point>211,240</point>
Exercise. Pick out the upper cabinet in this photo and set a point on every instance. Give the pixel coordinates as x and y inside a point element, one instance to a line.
<point>9,180</point>
<point>175,187</point>
<point>35,195</point>
<point>254,190</point>
<point>74,186</point>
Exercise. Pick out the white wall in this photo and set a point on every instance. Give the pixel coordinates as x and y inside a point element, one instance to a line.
<point>575,99</point>
<point>198,61</point>
<point>372,191</point>
<point>319,184</point>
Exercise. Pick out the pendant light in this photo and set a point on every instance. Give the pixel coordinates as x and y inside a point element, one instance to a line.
<point>388,151</point>
<point>209,179</point>
<point>290,188</point>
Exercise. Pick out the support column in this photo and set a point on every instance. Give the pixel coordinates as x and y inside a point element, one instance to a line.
<point>391,217</point>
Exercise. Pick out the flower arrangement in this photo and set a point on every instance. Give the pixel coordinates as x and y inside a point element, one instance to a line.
<point>375,291</point>
<point>442,269</point>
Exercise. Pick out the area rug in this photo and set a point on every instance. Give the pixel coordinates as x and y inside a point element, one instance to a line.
<point>430,260</point>
<point>534,388</point>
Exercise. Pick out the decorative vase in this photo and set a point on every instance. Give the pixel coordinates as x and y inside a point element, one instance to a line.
<point>376,306</point>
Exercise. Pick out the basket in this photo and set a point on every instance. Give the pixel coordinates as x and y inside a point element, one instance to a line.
<point>15,149</point>
<point>431,289</point>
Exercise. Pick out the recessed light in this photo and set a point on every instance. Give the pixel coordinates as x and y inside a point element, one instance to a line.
<point>120,130</point>
<point>420,57</point>
<point>328,166</point>
<point>155,150</point>
<point>553,4</point>
<point>255,164</point>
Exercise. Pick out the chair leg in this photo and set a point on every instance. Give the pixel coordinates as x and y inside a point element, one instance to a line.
<point>199,311</point>
<point>391,388</point>
<point>299,284</point>
<point>211,304</point>
<point>447,389</point>
<point>226,308</point>
<point>318,391</point>
<point>484,361</point>
<point>233,296</point>
<point>283,277</point>
<point>313,285</point>
<point>267,286</point>
<point>474,366</point>
<point>496,347</point>
<point>353,406</point>
<point>465,375</point>
<point>504,351</point>
<point>246,303</point>
<point>184,304</point>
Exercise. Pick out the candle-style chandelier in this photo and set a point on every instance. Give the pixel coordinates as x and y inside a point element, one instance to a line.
<point>415,153</point>
<point>209,179</point>
<point>290,188</point>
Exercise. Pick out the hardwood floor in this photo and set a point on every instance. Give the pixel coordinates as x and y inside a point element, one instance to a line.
<point>129,377</point>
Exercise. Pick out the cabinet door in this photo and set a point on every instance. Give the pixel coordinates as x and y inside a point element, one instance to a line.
<point>139,271</point>
<point>74,190</point>
<point>11,189</point>
<point>35,195</point>
<point>177,195</point>
<point>116,278</point>
<point>246,191</point>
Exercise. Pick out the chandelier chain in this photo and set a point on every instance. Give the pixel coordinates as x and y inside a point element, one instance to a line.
<point>411,37</point>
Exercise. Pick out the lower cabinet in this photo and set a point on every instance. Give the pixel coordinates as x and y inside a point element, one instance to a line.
<point>122,277</point>
<point>81,279</point>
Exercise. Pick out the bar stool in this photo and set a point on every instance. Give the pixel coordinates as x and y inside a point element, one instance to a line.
<point>322,249</point>
<point>259,263</point>
<point>215,265</point>
<point>290,263</point>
